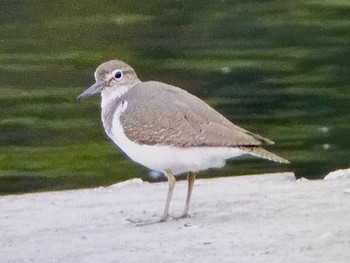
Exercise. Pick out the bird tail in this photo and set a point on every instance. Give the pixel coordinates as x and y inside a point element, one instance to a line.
<point>262,153</point>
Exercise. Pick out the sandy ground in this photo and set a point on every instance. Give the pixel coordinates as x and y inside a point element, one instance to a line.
<point>265,218</point>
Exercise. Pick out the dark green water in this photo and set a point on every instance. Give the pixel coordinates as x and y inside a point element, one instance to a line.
<point>277,68</point>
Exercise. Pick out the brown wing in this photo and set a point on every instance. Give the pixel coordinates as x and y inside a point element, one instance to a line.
<point>158,113</point>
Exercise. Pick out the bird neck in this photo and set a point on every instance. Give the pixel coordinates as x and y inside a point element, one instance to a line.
<point>112,95</point>
<point>109,101</point>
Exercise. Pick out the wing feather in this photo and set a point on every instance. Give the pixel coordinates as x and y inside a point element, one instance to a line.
<point>162,114</point>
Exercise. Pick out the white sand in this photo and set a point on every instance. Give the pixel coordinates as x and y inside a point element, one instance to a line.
<point>265,218</point>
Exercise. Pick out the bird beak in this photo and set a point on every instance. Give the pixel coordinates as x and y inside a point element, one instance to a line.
<point>96,88</point>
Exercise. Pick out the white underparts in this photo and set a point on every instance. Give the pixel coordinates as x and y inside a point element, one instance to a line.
<point>161,158</point>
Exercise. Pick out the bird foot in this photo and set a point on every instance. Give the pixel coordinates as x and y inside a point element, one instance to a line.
<point>149,222</point>
<point>164,218</point>
<point>181,216</point>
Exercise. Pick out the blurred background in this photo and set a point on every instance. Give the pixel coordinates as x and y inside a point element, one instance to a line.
<point>277,68</point>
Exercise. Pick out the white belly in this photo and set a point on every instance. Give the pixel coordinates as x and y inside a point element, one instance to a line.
<point>162,158</point>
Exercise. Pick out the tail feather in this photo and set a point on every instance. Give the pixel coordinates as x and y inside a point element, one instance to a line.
<point>262,153</point>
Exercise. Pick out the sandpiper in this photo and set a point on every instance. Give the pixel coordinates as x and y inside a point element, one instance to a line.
<point>167,129</point>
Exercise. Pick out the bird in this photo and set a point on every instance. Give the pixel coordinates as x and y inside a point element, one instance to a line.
<point>167,129</point>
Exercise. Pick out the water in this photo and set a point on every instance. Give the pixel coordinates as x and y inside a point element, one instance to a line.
<point>275,68</point>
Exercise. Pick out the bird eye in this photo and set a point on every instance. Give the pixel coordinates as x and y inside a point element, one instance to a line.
<point>118,74</point>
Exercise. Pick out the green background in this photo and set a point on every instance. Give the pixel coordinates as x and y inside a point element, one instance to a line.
<point>276,68</point>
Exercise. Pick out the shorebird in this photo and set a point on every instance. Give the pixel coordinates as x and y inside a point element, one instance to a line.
<point>167,129</point>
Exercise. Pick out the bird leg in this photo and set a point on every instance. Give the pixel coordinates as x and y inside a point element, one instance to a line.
<point>191,177</point>
<point>165,216</point>
<point>171,182</point>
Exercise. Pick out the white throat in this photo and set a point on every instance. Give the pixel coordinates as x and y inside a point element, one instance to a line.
<point>111,95</point>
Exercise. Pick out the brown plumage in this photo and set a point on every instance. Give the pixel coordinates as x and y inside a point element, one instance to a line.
<point>167,129</point>
<point>172,116</point>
